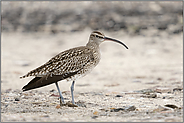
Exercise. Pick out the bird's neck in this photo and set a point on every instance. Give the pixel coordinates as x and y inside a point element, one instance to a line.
<point>95,49</point>
<point>93,45</point>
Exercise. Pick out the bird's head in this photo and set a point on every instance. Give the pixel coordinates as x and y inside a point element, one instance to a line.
<point>98,37</point>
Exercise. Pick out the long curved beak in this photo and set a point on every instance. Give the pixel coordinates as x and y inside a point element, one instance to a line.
<point>110,39</point>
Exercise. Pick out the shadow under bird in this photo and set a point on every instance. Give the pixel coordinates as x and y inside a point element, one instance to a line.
<point>70,65</point>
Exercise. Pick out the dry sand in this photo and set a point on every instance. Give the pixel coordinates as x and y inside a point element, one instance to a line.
<point>151,62</point>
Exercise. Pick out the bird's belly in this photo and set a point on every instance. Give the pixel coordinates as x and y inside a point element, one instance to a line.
<point>87,69</point>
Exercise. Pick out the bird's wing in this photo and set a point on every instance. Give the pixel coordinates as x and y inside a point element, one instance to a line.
<point>64,63</point>
<point>38,82</point>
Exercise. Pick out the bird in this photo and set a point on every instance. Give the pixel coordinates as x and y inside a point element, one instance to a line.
<point>69,65</point>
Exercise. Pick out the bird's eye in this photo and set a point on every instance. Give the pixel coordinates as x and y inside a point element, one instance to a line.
<point>98,36</point>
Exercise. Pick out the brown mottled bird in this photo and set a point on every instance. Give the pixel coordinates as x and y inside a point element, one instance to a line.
<point>70,65</point>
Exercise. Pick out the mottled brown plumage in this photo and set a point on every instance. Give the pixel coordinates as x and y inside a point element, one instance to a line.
<point>70,64</point>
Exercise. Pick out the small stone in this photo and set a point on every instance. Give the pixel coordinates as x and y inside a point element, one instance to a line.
<point>117,110</point>
<point>95,113</point>
<point>45,116</point>
<point>162,90</point>
<point>130,108</point>
<point>160,79</point>
<point>177,89</point>
<point>160,108</point>
<point>17,99</point>
<point>6,105</point>
<point>52,90</point>
<point>125,108</point>
<point>150,95</point>
<point>94,117</point>
<point>145,91</point>
<point>118,96</point>
<point>37,103</point>
<point>58,106</point>
<point>171,106</point>
<point>81,104</point>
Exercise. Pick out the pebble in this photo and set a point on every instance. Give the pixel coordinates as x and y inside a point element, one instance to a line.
<point>36,103</point>
<point>81,104</point>
<point>145,91</point>
<point>160,79</point>
<point>94,117</point>
<point>6,105</point>
<point>17,99</point>
<point>160,108</point>
<point>95,113</point>
<point>162,90</point>
<point>45,116</point>
<point>52,90</point>
<point>177,89</point>
<point>171,106</point>
<point>58,106</point>
<point>150,95</point>
<point>126,108</point>
<point>118,96</point>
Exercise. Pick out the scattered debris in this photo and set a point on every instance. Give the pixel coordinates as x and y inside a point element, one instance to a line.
<point>177,89</point>
<point>149,95</point>
<point>125,108</point>
<point>145,91</point>
<point>54,95</point>
<point>162,90</point>
<point>81,104</point>
<point>52,90</point>
<point>160,108</point>
<point>37,103</point>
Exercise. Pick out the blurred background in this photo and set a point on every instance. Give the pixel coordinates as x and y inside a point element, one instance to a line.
<point>64,16</point>
<point>33,32</point>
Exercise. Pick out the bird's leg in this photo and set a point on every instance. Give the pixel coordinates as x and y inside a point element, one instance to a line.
<point>61,97</point>
<point>72,89</point>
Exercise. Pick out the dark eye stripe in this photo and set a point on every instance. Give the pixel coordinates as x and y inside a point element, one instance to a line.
<point>98,36</point>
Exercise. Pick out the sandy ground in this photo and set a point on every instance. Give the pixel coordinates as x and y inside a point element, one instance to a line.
<point>111,92</point>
